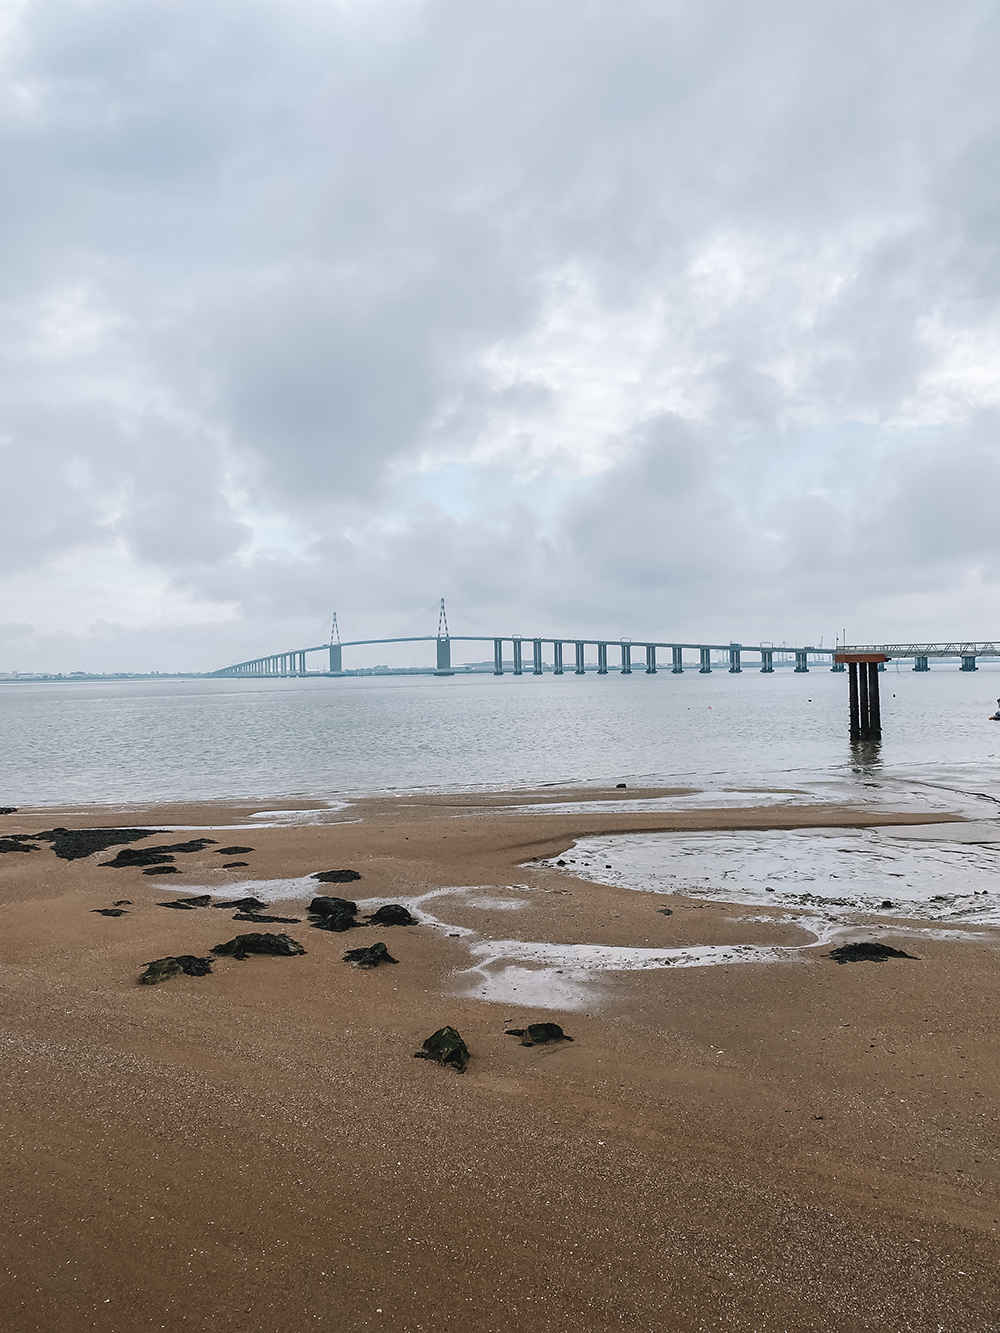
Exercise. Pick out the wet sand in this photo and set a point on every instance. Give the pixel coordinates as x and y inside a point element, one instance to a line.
<point>796,1145</point>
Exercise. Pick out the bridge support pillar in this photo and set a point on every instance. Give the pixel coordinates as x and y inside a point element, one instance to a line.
<point>443,658</point>
<point>921,664</point>
<point>602,659</point>
<point>336,660</point>
<point>968,663</point>
<point>498,657</point>
<point>557,662</point>
<point>839,666</point>
<point>706,661</point>
<point>801,660</point>
<point>302,664</point>
<point>518,671</point>
<point>650,659</point>
<point>767,661</point>
<point>678,656</point>
<point>734,659</point>
<point>536,657</point>
<point>626,657</point>
<point>866,712</point>
<point>581,665</point>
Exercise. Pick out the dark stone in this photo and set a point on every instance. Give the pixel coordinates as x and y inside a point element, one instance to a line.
<point>165,968</point>
<point>324,906</point>
<point>621,786</point>
<point>261,920</point>
<point>887,903</point>
<point>536,1034</point>
<point>232,851</point>
<point>133,856</point>
<point>162,870</point>
<point>109,911</point>
<point>560,863</point>
<point>866,952</point>
<point>392,915</point>
<point>72,844</point>
<point>664,911</point>
<point>232,865</point>
<point>336,921</point>
<point>370,957</point>
<point>194,845</point>
<point>8,809</point>
<point>122,902</point>
<point>16,845</point>
<point>447,1048</point>
<point>188,904</point>
<point>283,946</point>
<point>241,905</point>
<point>337,876</point>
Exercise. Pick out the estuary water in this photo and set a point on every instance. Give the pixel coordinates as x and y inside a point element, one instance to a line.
<point>744,739</point>
<point>96,742</point>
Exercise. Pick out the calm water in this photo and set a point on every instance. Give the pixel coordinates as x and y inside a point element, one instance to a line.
<point>95,742</point>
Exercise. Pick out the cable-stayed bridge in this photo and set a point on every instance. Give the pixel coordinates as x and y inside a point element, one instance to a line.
<point>538,655</point>
<point>528,654</point>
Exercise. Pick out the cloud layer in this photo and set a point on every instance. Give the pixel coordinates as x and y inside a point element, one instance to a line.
<point>641,318</point>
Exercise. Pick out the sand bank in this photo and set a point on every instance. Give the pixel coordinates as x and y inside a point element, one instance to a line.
<point>777,1144</point>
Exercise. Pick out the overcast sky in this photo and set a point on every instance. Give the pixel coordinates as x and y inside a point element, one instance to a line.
<point>677,320</point>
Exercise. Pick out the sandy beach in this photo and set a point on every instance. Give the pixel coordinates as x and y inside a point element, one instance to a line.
<point>784,1146</point>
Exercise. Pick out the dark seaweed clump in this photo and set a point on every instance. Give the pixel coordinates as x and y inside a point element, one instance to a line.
<point>232,851</point>
<point>336,876</point>
<point>393,914</point>
<point>282,946</point>
<point>867,951</point>
<point>17,843</point>
<point>536,1034</point>
<point>335,914</point>
<point>370,957</point>
<point>447,1048</point>
<point>162,969</point>
<point>72,844</point>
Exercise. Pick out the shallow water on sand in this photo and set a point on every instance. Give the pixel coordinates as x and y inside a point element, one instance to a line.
<point>132,742</point>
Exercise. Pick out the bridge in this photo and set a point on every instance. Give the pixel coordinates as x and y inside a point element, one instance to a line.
<point>293,661</point>
<point>529,653</point>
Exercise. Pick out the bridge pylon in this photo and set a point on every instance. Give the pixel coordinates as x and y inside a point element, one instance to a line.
<point>336,652</point>
<point>443,644</point>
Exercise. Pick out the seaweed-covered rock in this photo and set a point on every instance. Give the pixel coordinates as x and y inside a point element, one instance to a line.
<point>447,1048</point>
<point>138,856</point>
<point>536,1034</point>
<point>866,951</point>
<point>283,946</point>
<point>335,921</point>
<point>326,906</point>
<point>16,845</point>
<point>151,856</point>
<point>262,920</point>
<point>370,957</point>
<point>241,905</point>
<point>162,870</point>
<point>188,904</point>
<point>336,876</point>
<point>165,968</point>
<point>392,915</point>
<point>234,865</point>
<point>336,914</point>
<point>232,851</point>
<point>72,844</point>
<point>109,911</point>
<point>8,809</point>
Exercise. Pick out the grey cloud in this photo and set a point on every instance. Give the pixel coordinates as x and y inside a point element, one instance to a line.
<point>303,237</point>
